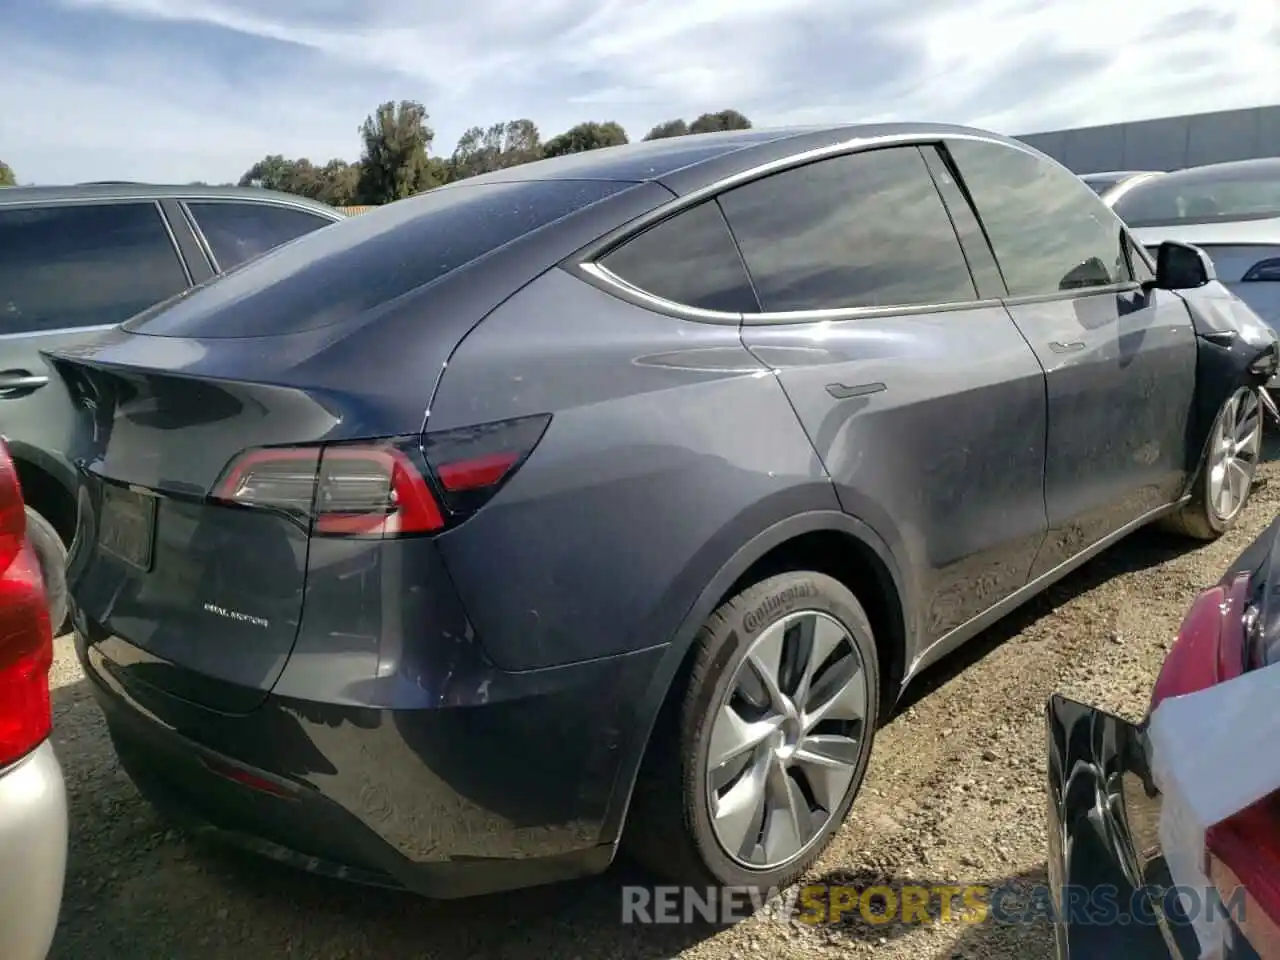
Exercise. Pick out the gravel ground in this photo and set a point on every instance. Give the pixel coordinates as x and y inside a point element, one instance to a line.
<point>955,792</point>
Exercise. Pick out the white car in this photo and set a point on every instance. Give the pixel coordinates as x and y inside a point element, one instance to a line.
<point>1231,210</point>
<point>33,799</point>
<point>1113,184</point>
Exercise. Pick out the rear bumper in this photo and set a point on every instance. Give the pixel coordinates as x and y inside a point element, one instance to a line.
<point>448,800</point>
<point>33,854</point>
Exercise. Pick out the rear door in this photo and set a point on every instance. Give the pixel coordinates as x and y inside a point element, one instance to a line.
<point>69,271</point>
<point>917,390</point>
<point>234,231</point>
<point>1119,361</point>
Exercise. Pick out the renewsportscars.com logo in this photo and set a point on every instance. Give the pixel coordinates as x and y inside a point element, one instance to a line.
<point>1104,905</point>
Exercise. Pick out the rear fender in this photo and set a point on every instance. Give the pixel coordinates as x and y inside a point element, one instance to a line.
<point>669,667</point>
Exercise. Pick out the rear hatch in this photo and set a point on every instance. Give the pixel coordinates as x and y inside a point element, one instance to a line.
<point>207,594</point>
<point>339,335</point>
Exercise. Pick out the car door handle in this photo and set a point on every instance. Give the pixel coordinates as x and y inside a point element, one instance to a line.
<point>1058,346</point>
<point>16,382</point>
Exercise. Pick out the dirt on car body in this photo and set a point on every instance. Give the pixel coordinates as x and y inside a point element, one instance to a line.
<point>955,795</point>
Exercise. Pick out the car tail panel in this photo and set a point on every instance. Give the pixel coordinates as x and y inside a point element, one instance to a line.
<point>205,588</point>
<point>198,586</point>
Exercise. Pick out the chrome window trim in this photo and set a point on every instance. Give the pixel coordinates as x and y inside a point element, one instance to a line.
<point>202,242</point>
<point>177,197</point>
<point>585,264</point>
<point>615,284</point>
<point>1127,286</point>
<point>173,242</point>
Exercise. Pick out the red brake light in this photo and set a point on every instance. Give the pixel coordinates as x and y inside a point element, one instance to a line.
<point>475,474</point>
<point>1210,647</point>
<point>472,464</point>
<point>26,641</point>
<point>383,488</point>
<point>372,491</point>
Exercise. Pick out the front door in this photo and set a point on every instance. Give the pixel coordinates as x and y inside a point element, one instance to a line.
<point>1119,361</point>
<point>924,402</point>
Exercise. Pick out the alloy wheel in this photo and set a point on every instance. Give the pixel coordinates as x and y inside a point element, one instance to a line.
<point>786,740</point>
<point>1233,453</point>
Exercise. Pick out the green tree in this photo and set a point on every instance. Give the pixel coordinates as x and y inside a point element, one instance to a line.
<point>485,149</point>
<point>335,183</point>
<point>722,120</point>
<point>272,172</point>
<point>395,164</point>
<point>586,136</point>
<point>338,183</point>
<point>7,179</point>
<point>668,128</point>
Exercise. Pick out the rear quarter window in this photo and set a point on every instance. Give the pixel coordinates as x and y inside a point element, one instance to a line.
<point>335,274</point>
<point>690,259</point>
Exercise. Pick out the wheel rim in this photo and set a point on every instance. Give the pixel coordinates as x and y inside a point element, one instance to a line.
<point>1233,453</point>
<point>786,740</point>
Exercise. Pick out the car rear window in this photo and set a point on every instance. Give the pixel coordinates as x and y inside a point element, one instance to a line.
<point>335,274</point>
<point>1204,195</point>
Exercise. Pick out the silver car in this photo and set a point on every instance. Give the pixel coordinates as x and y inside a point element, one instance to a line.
<point>1231,210</point>
<point>75,261</point>
<point>33,799</point>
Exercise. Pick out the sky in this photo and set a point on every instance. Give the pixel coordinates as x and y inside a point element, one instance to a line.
<point>182,90</point>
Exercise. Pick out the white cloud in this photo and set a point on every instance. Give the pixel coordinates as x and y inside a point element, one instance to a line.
<point>154,110</point>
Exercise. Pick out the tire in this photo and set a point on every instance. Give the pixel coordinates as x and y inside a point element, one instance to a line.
<point>1235,447</point>
<point>52,555</point>
<point>671,829</point>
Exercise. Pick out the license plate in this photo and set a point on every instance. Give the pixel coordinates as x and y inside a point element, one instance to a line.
<point>128,525</point>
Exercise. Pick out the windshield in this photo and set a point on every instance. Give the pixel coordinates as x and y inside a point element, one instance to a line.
<point>1222,192</point>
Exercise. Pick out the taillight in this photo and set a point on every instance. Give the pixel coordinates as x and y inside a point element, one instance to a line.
<point>26,641</point>
<point>472,463</point>
<point>383,488</point>
<point>1210,646</point>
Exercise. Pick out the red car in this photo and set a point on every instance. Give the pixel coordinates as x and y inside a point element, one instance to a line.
<point>1119,853</point>
<point>33,801</point>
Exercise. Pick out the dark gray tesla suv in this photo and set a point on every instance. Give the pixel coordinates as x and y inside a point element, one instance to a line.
<point>630,486</point>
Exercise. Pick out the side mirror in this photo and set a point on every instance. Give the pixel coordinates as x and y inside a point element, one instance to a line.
<point>1182,266</point>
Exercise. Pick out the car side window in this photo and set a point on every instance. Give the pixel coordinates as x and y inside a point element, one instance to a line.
<point>862,230</point>
<point>81,265</point>
<point>689,259</point>
<point>1050,232</point>
<point>237,232</point>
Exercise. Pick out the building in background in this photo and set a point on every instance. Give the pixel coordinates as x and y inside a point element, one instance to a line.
<point>1165,144</point>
